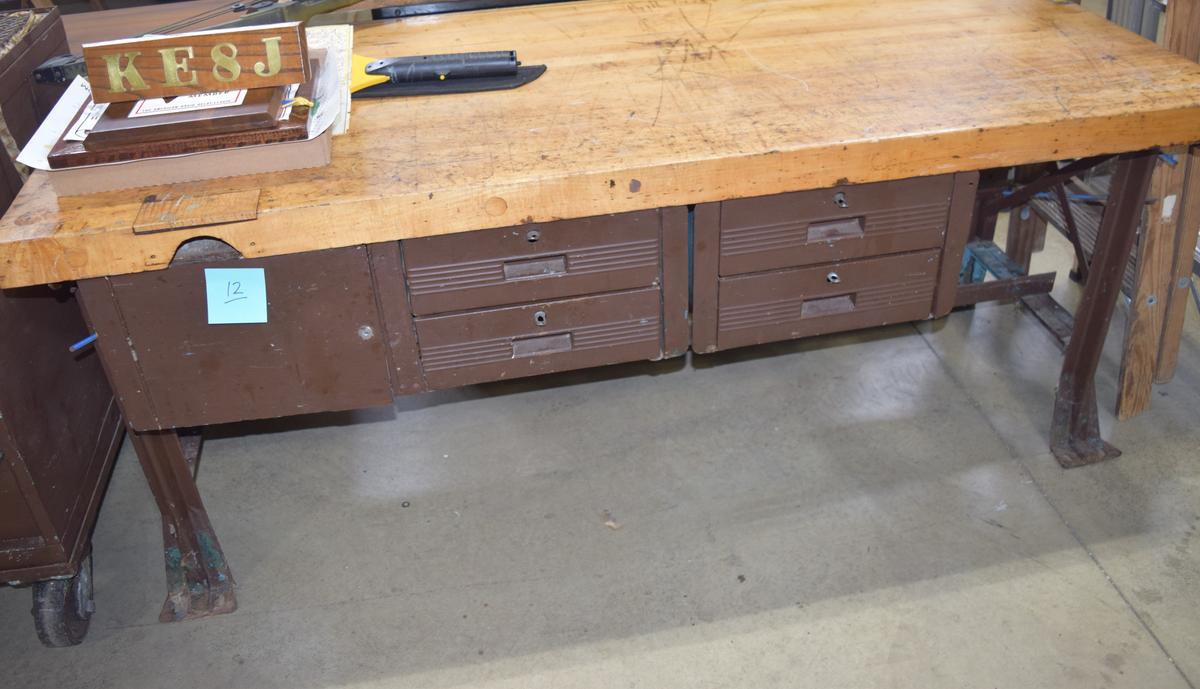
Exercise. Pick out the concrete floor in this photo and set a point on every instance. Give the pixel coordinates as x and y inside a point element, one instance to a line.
<point>866,510</point>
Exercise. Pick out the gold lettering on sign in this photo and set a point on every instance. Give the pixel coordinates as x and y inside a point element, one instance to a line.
<point>224,57</point>
<point>172,66</point>
<point>118,75</point>
<point>273,58</point>
<point>241,58</point>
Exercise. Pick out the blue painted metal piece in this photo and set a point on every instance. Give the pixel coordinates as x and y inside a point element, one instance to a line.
<point>83,343</point>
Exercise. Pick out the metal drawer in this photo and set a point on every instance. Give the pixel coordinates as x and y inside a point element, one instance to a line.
<point>800,302</point>
<point>516,341</point>
<point>324,347</point>
<point>826,225</point>
<point>513,265</point>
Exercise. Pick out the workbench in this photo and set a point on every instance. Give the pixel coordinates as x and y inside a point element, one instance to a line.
<point>687,174</point>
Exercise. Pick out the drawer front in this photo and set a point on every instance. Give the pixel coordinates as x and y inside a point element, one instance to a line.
<point>323,347</point>
<point>800,302</point>
<point>543,337</point>
<point>533,262</point>
<point>837,224</point>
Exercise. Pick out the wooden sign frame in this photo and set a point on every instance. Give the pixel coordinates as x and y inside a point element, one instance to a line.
<point>197,62</point>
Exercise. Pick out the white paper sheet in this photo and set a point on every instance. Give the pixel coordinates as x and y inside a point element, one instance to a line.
<point>86,122</point>
<point>337,40</point>
<point>188,103</point>
<point>37,151</point>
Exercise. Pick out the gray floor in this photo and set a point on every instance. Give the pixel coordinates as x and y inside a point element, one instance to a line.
<point>869,510</point>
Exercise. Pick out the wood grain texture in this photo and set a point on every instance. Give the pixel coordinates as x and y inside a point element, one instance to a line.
<point>695,101</point>
<point>1178,296</point>
<point>69,154</point>
<point>1155,268</point>
<point>1151,323</point>
<point>1183,28</point>
<point>112,24</point>
<point>197,62</point>
<point>260,109</point>
<point>176,211</point>
<point>1183,37</point>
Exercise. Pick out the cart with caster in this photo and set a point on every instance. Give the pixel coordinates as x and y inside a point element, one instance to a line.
<point>60,430</point>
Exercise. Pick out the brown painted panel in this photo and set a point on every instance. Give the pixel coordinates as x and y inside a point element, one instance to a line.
<point>675,287</point>
<point>542,337</point>
<point>322,349</point>
<point>825,225</point>
<point>18,528</point>
<point>387,264</point>
<point>706,234</point>
<point>59,432</point>
<point>512,265</point>
<point>801,302</point>
<point>962,214</point>
<point>25,103</point>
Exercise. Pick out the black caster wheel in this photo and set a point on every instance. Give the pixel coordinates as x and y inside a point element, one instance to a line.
<point>62,608</point>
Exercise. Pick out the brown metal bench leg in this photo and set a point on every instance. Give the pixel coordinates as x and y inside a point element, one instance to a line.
<point>1075,436</point>
<point>198,580</point>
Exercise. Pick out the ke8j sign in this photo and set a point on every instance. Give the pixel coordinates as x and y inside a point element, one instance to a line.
<point>160,66</point>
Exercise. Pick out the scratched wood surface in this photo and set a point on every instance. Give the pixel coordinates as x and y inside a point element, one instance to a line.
<point>653,103</point>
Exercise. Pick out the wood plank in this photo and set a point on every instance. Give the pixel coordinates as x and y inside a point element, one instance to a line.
<point>175,211</point>
<point>1155,267</point>
<point>1182,31</point>
<point>1003,290</point>
<point>1057,320</point>
<point>197,62</point>
<point>1183,37</point>
<point>1179,292</point>
<point>90,27</point>
<point>107,25</point>
<point>1024,227</point>
<point>695,101</point>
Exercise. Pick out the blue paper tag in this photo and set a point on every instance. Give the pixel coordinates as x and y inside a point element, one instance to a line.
<point>236,295</point>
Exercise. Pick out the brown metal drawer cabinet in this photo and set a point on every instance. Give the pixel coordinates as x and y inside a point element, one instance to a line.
<point>323,347</point>
<point>545,297</point>
<point>814,262</point>
<point>59,434</point>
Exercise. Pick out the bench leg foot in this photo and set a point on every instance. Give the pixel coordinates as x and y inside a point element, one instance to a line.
<point>1075,436</point>
<point>199,583</point>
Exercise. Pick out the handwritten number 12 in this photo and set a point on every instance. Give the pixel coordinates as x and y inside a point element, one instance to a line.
<point>233,292</point>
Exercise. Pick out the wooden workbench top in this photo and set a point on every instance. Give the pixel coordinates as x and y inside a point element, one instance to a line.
<point>651,103</point>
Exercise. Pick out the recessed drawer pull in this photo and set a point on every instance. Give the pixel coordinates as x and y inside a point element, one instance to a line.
<point>546,344</point>
<point>827,306</point>
<point>831,230</point>
<point>535,268</point>
<point>833,278</point>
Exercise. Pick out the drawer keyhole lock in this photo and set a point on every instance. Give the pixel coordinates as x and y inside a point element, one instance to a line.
<point>532,236</point>
<point>539,318</point>
<point>839,199</point>
<point>833,278</point>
